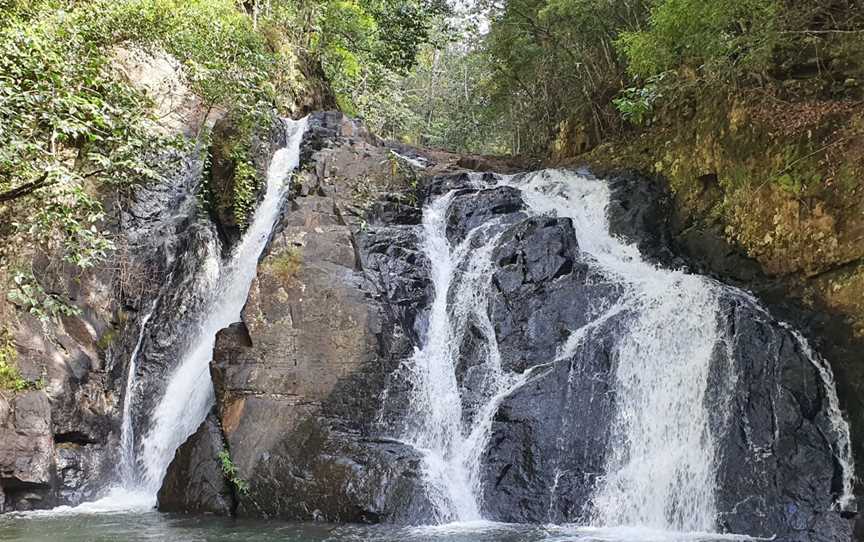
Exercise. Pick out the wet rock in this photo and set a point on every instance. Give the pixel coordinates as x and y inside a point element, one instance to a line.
<point>195,481</point>
<point>549,439</point>
<point>777,476</point>
<point>639,212</point>
<point>77,471</point>
<point>470,208</point>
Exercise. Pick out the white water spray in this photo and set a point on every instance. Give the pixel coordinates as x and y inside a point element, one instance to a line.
<point>842,443</point>
<point>662,369</point>
<point>189,394</point>
<point>660,462</point>
<point>127,431</point>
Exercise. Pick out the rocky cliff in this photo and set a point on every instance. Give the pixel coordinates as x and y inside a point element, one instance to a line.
<point>309,385</point>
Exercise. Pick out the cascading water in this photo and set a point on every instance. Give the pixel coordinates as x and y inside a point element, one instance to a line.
<point>842,445</point>
<point>660,468</point>
<point>660,465</point>
<point>189,393</point>
<point>127,430</point>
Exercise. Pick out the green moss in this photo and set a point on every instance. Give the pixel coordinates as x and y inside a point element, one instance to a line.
<point>107,339</point>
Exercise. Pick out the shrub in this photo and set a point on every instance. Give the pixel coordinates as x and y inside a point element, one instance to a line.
<point>287,264</point>
<point>10,377</point>
<point>637,104</point>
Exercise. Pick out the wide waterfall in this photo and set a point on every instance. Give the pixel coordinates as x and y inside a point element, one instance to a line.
<point>661,463</point>
<point>188,395</point>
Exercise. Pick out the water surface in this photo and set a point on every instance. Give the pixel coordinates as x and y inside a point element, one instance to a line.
<point>152,526</point>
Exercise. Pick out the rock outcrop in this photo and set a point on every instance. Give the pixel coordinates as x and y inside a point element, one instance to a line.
<point>197,482</point>
<point>26,450</point>
<point>287,381</point>
<point>309,386</point>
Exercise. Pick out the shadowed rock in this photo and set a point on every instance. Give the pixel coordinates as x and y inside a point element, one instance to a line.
<point>196,481</point>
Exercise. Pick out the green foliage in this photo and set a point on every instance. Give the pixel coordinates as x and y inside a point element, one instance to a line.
<point>29,295</point>
<point>229,469</point>
<point>246,184</point>
<point>553,64</point>
<point>286,265</point>
<point>68,127</point>
<point>636,104</point>
<point>713,35</point>
<point>362,43</point>
<point>441,103</point>
<point>225,59</point>
<point>10,377</point>
<point>72,129</point>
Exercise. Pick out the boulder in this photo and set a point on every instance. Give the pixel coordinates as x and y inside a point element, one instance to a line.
<point>196,481</point>
<point>26,451</point>
<point>286,381</point>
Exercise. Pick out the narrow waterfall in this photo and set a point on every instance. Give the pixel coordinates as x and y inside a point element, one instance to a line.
<point>128,474</point>
<point>189,393</point>
<point>436,408</point>
<point>660,466</point>
<point>842,445</point>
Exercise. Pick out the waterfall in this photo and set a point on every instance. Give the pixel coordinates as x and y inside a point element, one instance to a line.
<point>842,442</point>
<point>660,461</point>
<point>128,475</point>
<point>188,396</point>
<point>436,407</point>
<point>660,468</point>
<point>461,277</point>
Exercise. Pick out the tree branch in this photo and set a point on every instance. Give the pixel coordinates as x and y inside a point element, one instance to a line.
<point>25,189</point>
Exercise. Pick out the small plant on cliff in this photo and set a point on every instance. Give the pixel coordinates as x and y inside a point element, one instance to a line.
<point>637,104</point>
<point>10,377</point>
<point>229,469</point>
<point>246,185</point>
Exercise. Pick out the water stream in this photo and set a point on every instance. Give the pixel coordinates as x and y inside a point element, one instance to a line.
<point>128,472</point>
<point>189,394</point>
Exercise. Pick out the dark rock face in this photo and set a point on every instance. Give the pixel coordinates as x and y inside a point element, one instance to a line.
<point>195,482</point>
<point>79,362</point>
<point>778,475</point>
<point>316,331</point>
<point>26,450</point>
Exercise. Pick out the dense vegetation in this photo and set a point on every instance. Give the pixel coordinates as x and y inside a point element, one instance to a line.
<point>599,68</point>
<point>73,129</point>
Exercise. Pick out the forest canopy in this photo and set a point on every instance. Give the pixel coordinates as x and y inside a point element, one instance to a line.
<point>540,67</point>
